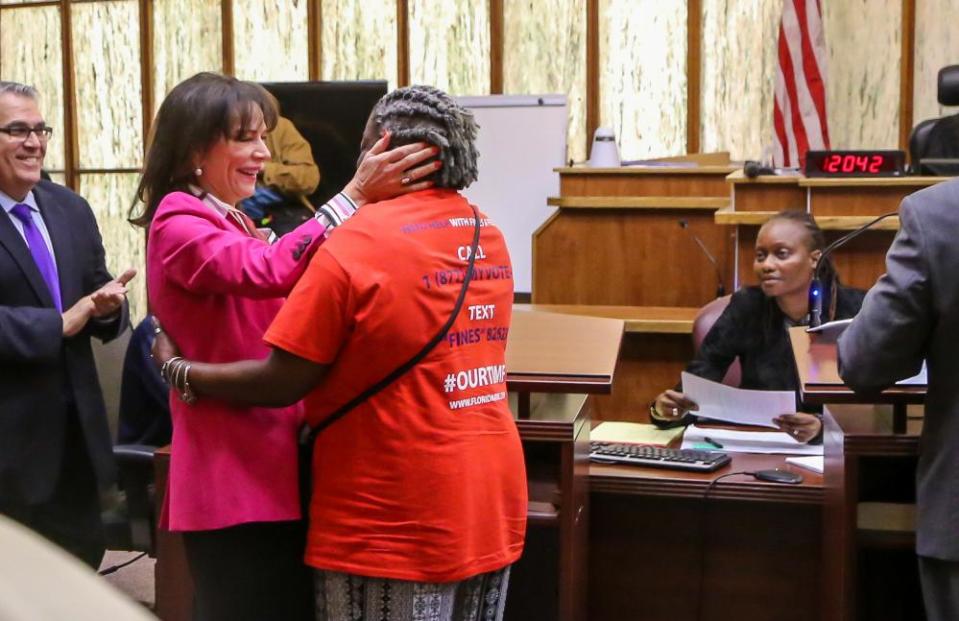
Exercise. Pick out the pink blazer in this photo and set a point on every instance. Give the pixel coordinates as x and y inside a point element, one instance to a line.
<point>215,290</point>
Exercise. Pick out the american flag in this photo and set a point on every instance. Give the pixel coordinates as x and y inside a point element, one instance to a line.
<point>799,113</point>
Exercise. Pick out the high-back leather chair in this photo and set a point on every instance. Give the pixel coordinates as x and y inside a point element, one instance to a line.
<point>702,324</point>
<point>947,94</point>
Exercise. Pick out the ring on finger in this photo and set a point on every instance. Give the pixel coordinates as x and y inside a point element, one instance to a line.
<point>406,180</point>
<point>675,412</point>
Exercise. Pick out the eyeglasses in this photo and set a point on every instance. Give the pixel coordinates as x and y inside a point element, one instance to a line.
<point>22,132</point>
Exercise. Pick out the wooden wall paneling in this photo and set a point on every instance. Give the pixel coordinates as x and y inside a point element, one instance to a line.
<point>593,101</point>
<point>72,148</point>
<point>146,67</point>
<point>694,43</point>
<point>702,181</point>
<point>627,258</point>
<point>857,200</point>
<point>314,28</point>
<point>226,23</point>
<point>907,72</point>
<point>648,364</point>
<point>763,197</point>
<point>403,42</point>
<point>863,260</point>
<point>747,558</point>
<point>496,43</point>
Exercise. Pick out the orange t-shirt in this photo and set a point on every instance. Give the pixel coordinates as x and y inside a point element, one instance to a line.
<point>425,481</point>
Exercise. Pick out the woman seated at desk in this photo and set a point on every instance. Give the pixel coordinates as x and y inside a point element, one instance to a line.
<point>753,327</point>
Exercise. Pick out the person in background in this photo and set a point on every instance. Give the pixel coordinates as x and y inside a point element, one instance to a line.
<point>910,315</point>
<point>55,295</point>
<point>753,327</point>
<point>419,492</point>
<point>287,179</point>
<point>215,285</point>
<point>144,396</point>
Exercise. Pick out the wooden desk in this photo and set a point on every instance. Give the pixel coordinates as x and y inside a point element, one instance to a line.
<point>870,455</point>
<point>839,205</point>
<point>867,461</point>
<point>615,244</point>
<point>556,354</point>
<point>616,239</point>
<point>656,348</point>
<point>819,382</point>
<point>761,554</point>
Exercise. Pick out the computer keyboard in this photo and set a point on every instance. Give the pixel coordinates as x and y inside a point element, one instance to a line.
<point>657,457</point>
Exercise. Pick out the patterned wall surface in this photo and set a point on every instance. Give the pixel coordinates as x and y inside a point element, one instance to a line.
<point>449,45</point>
<point>107,61</point>
<point>936,45</point>
<point>186,40</point>
<point>359,41</point>
<point>37,60</point>
<point>549,56</point>
<point>864,38</point>
<point>110,197</point>
<point>270,40</point>
<point>643,75</point>
<point>739,63</point>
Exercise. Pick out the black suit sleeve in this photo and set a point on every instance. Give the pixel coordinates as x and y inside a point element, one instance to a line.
<point>30,334</point>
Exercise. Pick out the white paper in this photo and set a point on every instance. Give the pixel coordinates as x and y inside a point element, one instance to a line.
<point>831,329</point>
<point>735,405</point>
<point>810,462</point>
<point>767,442</point>
<point>920,379</point>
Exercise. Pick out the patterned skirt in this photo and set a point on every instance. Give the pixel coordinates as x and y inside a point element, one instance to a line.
<point>345,597</point>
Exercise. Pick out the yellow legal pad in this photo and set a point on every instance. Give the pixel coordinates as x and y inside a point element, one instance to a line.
<point>634,433</point>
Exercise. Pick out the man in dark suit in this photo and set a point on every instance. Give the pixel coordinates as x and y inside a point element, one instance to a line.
<point>911,315</point>
<point>55,293</point>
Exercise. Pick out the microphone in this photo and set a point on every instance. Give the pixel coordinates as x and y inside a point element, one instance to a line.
<point>753,169</point>
<point>816,292</point>
<point>720,287</point>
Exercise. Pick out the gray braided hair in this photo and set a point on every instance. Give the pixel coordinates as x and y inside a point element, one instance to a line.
<point>427,114</point>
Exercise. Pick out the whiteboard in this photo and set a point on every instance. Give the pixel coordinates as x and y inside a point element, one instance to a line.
<point>521,139</point>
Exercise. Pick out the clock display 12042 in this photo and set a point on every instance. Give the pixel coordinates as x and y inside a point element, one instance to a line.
<point>855,163</point>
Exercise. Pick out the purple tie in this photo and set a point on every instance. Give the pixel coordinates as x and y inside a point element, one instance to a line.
<point>41,254</point>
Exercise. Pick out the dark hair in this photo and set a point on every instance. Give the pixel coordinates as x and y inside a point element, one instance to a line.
<point>427,114</point>
<point>815,240</point>
<point>197,112</point>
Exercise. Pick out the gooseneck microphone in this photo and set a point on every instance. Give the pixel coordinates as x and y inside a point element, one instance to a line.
<point>720,287</point>
<point>816,292</point>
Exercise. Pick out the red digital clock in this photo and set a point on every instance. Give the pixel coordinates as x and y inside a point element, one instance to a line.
<point>855,163</point>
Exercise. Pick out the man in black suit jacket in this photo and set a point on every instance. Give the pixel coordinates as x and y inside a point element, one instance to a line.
<point>55,293</point>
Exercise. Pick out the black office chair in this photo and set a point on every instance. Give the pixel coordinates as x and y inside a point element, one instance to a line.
<point>132,525</point>
<point>947,95</point>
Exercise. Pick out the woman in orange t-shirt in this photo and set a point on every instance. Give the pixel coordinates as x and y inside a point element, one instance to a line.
<point>419,497</point>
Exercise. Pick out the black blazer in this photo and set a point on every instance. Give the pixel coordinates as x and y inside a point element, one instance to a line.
<point>753,329</point>
<point>40,371</point>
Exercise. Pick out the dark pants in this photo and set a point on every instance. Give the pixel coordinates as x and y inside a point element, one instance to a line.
<point>940,588</point>
<point>251,571</point>
<point>71,517</point>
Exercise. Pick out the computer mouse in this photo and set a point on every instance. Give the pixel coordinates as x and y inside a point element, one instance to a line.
<point>778,476</point>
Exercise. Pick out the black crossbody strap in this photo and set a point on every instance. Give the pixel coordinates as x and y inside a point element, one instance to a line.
<point>409,364</point>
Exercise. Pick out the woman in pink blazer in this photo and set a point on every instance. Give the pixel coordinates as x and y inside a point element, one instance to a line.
<point>215,285</point>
